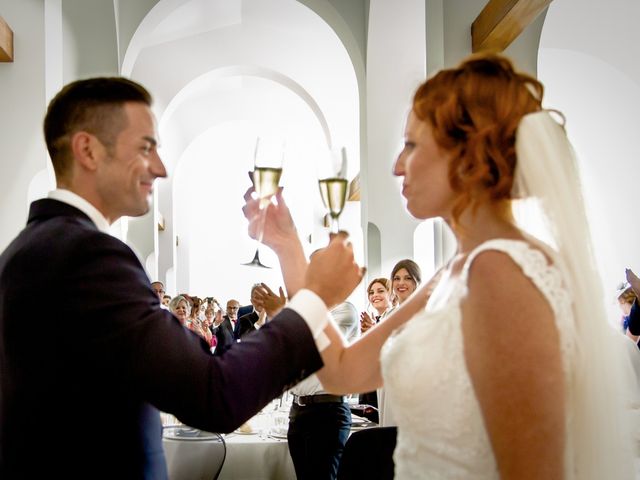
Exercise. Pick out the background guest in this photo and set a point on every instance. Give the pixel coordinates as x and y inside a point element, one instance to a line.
<point>626,298</point>
<point>379,296</point>
<point>319,423</point>
<point>165,300</point>
<point>269,301</point>
<point>406,276</point>
<point>224,331</point>
<point>247,323</point>
<point>633,319</point>
<point>181,308</point>
<point>158,288</point>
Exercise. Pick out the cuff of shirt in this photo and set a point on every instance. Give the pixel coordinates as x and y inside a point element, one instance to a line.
<point>313,310</point>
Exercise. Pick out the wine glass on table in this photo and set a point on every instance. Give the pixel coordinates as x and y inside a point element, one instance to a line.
<point>267,169</point>
<point>333,183</point>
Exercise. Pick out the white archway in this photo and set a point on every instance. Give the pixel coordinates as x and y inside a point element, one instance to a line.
<point>212,64</point>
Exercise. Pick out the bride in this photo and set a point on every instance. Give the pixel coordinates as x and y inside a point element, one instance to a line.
<point>503,365</point>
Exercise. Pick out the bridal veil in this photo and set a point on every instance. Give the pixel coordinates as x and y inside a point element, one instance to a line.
<point>603,388</point>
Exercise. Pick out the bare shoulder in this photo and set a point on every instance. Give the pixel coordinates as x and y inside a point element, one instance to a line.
<point>495,275</point>
<point>505,309</point>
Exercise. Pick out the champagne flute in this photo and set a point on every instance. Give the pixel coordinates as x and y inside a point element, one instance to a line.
<point>333,184</point>
<point>267,169</point>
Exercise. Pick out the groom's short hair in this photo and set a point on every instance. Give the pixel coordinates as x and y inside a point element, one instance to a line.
<point>93,105</point>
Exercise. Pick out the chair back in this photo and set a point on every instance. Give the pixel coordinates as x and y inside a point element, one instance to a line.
<point>192,454</point>
<point>368,454</point>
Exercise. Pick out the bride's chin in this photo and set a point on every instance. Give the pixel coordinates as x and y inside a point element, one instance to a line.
<point>419,213</point>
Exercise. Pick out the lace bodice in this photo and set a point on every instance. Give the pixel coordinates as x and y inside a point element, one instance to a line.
<point>441,433</point>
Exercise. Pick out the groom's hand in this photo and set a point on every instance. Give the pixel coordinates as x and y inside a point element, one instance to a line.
<point>333,272</point>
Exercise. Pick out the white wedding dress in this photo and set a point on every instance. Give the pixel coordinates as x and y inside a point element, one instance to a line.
<point>441,433</point>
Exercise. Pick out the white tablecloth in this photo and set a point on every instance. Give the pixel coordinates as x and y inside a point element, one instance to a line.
<point>259,455</point>
<point>191,460</point>
<point>256,457</point>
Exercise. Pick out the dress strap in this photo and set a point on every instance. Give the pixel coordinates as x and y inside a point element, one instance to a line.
<point>547,277</point>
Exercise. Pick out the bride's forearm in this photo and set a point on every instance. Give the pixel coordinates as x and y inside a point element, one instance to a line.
<point>355,368</point>
<point>351,368</point>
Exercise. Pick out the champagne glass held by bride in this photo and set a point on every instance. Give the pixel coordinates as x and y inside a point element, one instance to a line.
<point>267,169</point>
<point>332,173</point>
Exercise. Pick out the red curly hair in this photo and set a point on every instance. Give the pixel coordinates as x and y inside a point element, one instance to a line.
<point>474,111</point>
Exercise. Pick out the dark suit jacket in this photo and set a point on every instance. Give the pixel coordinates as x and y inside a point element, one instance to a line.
<point>245,324</point>
<point>242,311</point>
<point>224,336</point>
<point>227,325</point>
<point>81,402</point>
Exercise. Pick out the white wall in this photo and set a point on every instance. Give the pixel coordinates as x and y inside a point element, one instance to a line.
<point>396,64</point>
<point>22,106</point>
<point>595,81</point>
<point>89,36</point>
<point>217,63</point>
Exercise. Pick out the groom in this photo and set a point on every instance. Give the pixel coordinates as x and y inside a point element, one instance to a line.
<point>83,400</point>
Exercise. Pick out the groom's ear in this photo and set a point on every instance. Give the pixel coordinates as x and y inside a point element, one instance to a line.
<point>87,150</point>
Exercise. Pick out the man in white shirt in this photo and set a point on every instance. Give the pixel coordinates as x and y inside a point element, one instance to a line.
<point>319,423</point>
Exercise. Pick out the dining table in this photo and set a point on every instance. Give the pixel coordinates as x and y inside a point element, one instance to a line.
<point>255,457</point>
<point>258,450</point>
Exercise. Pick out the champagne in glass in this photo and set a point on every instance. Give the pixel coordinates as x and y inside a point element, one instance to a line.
<point>265,183</point>
<point>267,170</point>
<point>334,196</point>
<point>333,184</point>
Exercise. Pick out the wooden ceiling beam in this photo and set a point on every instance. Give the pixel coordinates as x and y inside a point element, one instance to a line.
<point>6,42</point>
<point>501,21</point>
<point>353,195</point>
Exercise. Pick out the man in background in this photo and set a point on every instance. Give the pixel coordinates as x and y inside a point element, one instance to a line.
<point>166,299</point>
<point>255,318</point>
<point>158,288</point>
<point>224,331</point>
<point>319,423</point>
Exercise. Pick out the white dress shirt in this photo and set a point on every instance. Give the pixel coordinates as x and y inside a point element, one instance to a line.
<point>346,317</point>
